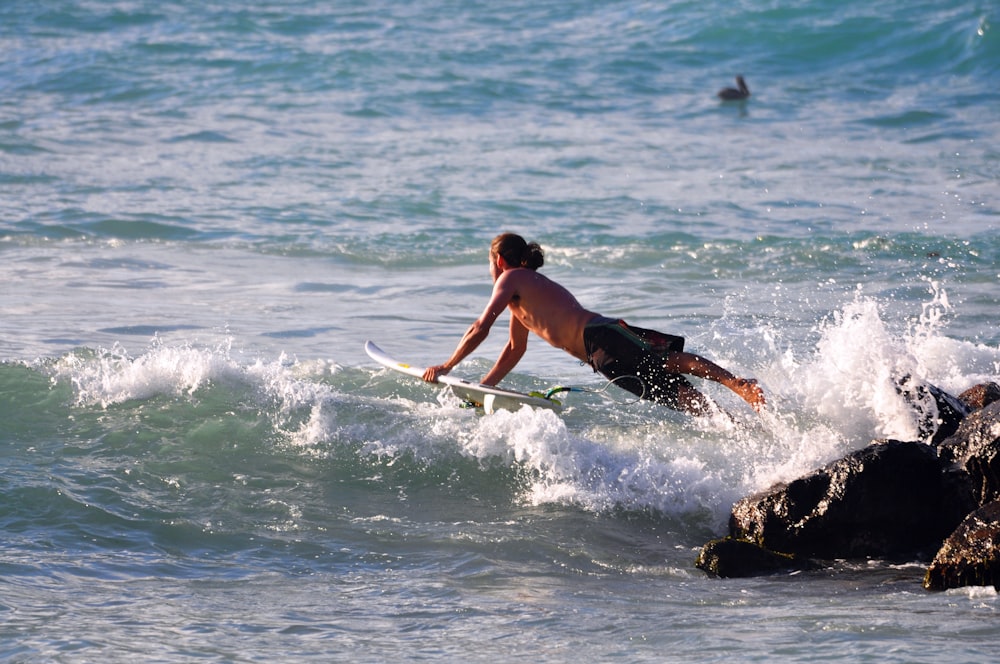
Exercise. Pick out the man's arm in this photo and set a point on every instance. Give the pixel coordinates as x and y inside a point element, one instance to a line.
<point>511,353</point>
<point>474,336</point>
<point>478,331</point>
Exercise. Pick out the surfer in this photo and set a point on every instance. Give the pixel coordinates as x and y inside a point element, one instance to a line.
<point>735,94</point>
<point>647,363</point>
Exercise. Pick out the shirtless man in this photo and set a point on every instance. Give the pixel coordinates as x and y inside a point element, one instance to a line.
<point>644,362</point>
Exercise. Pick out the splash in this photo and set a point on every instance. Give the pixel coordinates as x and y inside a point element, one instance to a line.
<point>568,468</point>
<point>111,376</point>
<point>290,394</point>
<point>856,379</point>
<point>853,379</point>
<point>850,386</point>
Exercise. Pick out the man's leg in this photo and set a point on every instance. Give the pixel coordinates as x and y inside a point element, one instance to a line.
<point>698,366</point>
<point>690,400</point>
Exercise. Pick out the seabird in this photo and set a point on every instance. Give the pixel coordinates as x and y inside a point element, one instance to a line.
<point>733,94</point>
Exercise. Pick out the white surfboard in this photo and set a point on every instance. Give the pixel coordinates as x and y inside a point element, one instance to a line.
<point>490,398</point>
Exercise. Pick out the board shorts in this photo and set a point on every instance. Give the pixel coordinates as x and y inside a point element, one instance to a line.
<point>633,358</point>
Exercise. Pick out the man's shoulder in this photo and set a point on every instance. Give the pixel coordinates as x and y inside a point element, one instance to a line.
<point>520,275</point>
<point>526,279</point>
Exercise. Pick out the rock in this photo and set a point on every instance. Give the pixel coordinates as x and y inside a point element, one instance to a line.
<point>939,413</point>
<point>980,396</point>
<point>733,558</point>
<point>975,447</point>
<point>971,555</point>
<point>891,499</point>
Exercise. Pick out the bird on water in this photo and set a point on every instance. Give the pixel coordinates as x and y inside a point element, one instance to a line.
<point>734,94</point>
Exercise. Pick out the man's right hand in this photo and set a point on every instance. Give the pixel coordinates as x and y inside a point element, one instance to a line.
<point>431,373</point>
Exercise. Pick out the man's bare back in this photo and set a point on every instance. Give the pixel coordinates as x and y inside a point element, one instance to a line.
<point>548,310</point>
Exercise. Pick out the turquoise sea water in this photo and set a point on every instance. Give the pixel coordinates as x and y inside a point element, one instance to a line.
<point>206,208</point>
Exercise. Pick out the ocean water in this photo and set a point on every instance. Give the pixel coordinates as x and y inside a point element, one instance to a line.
<point>206,208</point>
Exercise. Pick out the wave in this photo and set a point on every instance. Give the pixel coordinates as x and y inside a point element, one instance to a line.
<point>183,427</point>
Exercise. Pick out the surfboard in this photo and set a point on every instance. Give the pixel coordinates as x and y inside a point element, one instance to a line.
<point>490,398</point>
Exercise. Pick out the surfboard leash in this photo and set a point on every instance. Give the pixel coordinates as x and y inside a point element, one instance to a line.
<point>552,391</point>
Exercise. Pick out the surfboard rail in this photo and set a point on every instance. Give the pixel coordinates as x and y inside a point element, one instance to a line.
<point>489,397</point>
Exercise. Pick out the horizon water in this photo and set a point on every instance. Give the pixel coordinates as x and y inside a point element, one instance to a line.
<point>206,209</point>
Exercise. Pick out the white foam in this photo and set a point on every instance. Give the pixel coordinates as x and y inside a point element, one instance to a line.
<point>112,376</point>
<point>289,392</point>
<point>850,380</point>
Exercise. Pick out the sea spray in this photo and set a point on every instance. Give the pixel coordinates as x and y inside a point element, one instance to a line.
<point>569,468</point>
<point>104,377</point>
<point>850,387</point>
<point>858,365</point>
<point>290,395</point>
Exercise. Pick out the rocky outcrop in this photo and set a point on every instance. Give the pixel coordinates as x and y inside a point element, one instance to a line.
<point>891,499</point>
<point>975,447</point>
<point>980,396</point>
<point>938,413</point>
<point>971,555</point>
<point>734,558</point>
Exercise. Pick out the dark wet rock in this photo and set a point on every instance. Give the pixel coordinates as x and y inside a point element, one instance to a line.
<point>733,558</point>
<point>971,555</point>
<point>975,447</point>
<point>980,396</point>
<point>938,412</point>
<point>891,499</point>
